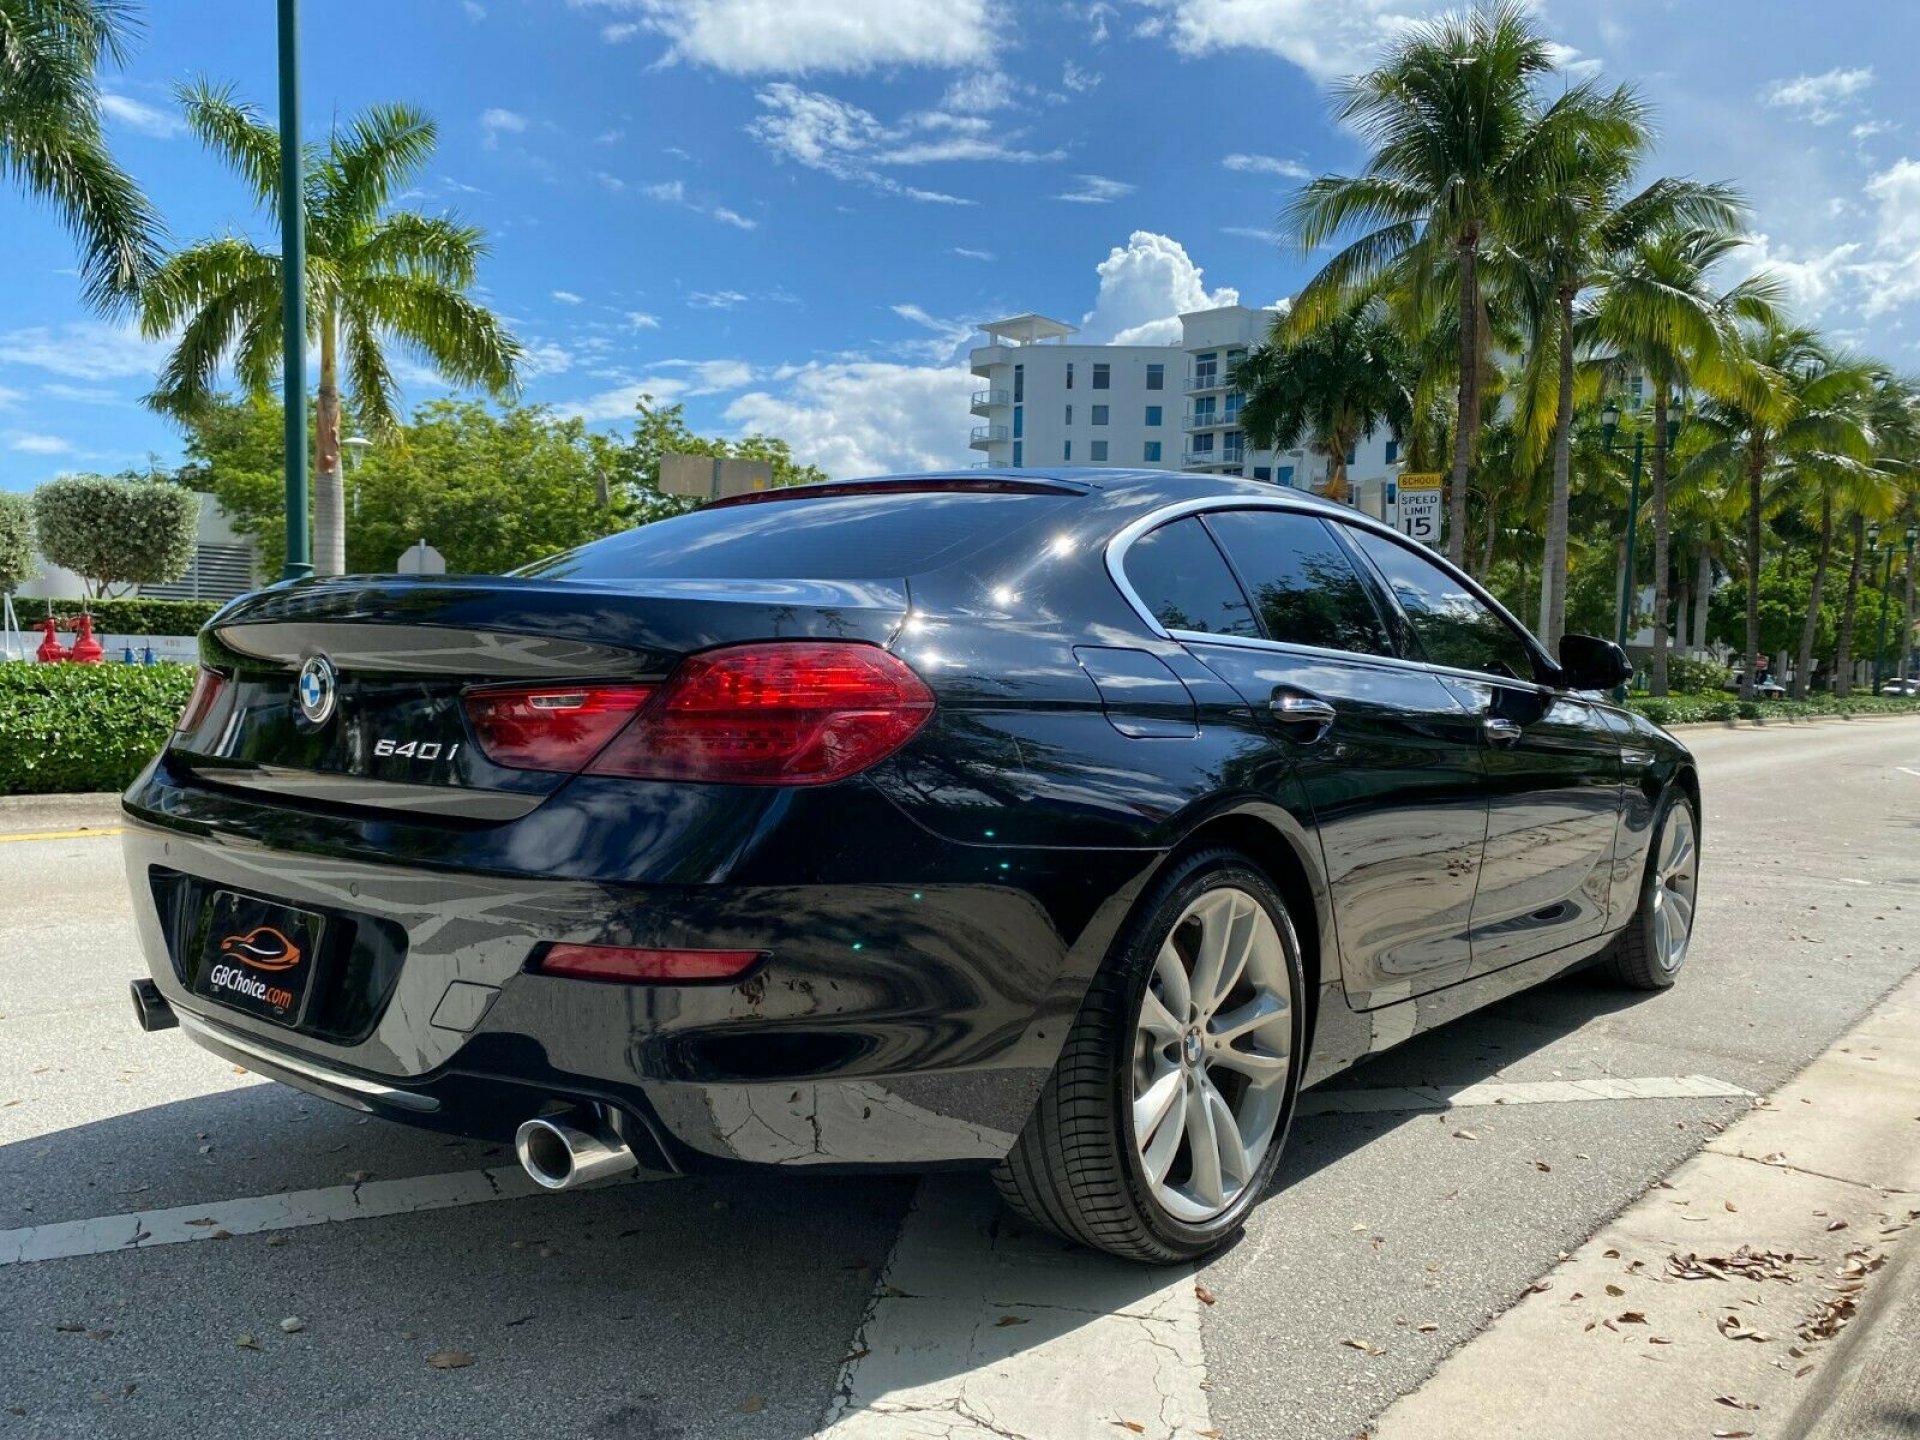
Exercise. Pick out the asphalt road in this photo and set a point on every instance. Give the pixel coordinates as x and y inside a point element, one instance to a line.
<point>702,1308</point>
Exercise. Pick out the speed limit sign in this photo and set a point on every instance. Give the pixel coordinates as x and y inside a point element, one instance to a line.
<point>1418,512</point>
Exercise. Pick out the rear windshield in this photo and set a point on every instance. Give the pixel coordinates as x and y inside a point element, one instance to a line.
<point>844,537</point>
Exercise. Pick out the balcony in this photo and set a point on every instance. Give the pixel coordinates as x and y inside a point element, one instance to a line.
<point>1211,420</point>
<point>986,357</point>
<point>1214,380</point>
<point>1222,456</point>
<point>985,400</point>
<point>986,435</point>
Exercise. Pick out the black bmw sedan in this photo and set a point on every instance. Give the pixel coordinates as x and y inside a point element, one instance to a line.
<point>1063,823</point>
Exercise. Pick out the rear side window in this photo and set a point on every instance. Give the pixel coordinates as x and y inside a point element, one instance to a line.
<point>839,537</point>
<point>1304,588</point>
<point>1453,626</point>
<point>1178,573</point>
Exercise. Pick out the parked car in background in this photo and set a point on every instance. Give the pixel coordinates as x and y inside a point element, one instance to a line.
<point>1765,687</point>
<point>1063,823</point>
<point>1901,687</point>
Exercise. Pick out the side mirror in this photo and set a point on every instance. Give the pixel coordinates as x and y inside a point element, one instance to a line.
<point>1590,663</point>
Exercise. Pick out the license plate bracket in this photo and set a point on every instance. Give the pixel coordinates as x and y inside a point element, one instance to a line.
<point>258,956</point>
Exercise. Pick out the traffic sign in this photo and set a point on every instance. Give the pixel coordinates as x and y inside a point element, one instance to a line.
<point>1418,511</point>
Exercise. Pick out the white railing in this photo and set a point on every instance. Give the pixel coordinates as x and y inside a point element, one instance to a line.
<point>989,399</point>
<point>987,435</point>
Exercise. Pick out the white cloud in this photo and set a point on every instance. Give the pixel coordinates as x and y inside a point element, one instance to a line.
<point>612,184</point>
<point>798,37</point>
<point>670,192</point>
<point>733,218</point>
<point>610,137</point>
<point>1812,281</point>
<point>715,299</point>
<point>29,443</point>
<point>83,350</point>
<point>1144,289</point>
<point>1267,165</point>
<point>1248,232</point>
<point>1095,190</point>
<point>1327,40</point>
<point>841,139</point>
<point>539,358</point>
<point>1077,80</point>
<point>948,340</point>
<point>965,254</point>
<point>618,403</point>
<point>674,192</point>
<point>1892,277</point>
<point>476,12</point>
<point>138,115</point>
<point>10,397</point>
<point>75,394</point>
<point>496,122</point>
<point>567,297</point>
<point>1819,98</point>
<point>1568,61</point>
<point>979,93</point>
<point>641,320</point>
<point>866,417</point>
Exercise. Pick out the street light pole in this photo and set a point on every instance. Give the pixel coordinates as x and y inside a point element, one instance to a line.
<point>1609,427</point>
<point>293,299</point>
<point>1880,639</point>
<point>1906,613</point>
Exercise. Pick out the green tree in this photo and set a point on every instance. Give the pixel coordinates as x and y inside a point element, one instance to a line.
<point>1461,145</point>
<point>51,144</point>
<point>491,492</point>
<point>1330,388</point>
<point>116,531</point>
<point>1658,315</point>
<point>16,541</point>
<point>662,430</point>
<point>374,276</point>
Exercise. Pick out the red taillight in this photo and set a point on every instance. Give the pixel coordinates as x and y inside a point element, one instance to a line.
<point>206,691</point>
<point>781,713</point>
<point>551,727</point>
<point>671,967</point>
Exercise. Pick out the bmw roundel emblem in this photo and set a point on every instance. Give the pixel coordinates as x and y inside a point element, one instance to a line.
<point>315,690</point>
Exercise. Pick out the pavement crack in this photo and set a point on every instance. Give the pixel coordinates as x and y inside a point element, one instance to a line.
<point>1880,1190</point>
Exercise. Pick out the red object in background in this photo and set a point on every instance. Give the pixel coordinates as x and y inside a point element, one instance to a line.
<point>51,650</point>
<point>86,649</point>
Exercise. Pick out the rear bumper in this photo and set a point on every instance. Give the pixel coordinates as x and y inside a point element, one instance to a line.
<point>906,1016</point>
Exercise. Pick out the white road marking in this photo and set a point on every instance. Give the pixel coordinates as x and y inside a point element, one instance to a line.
<point>1527,1092</point>
<point>979,1328</point>
<point>254,1215</point>
<point>1908,770</point>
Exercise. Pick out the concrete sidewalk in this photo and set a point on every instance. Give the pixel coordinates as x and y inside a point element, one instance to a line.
<point>1712,1306</point>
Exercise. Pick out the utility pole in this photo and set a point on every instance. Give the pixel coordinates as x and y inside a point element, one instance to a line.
<point>293,297</point>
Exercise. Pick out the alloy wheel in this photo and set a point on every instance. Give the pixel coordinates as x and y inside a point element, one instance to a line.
<point>1212,1052</point>
<point>1675,872</point>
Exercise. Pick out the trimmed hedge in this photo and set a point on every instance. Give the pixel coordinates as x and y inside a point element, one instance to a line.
<point>127,617</point>
<point>84,727</point>
<point>1689,709</point>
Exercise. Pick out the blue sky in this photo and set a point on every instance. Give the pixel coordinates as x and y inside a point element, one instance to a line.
<point>789,214</point>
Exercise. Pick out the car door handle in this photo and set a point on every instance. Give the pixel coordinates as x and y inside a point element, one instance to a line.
<point>1499,731</point>
<point>1300,715</point>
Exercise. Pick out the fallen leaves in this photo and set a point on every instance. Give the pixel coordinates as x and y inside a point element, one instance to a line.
<point>1134,1425</point>
<point>752,1405</point>
<point>293,1325</point>
<point>1005,1320</point>
<point>1734,1328</point>
<point>1203,1294</point>
<point>1465,1135</point>
<point>1365,1347</point>
<point>450,1359</point>
<point>1745,1263</point>
<point>1733,1402</point>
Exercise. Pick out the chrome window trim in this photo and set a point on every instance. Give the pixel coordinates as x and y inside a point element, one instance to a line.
<point>1116,553</point>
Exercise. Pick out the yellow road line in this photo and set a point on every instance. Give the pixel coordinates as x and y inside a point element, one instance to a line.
<point>86,834</point>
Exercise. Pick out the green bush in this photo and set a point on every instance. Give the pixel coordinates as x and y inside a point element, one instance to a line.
<point>84,727</point>
<point>1686,676</point>
<point>1692,709</point>
<point>127,617</point>
<point>116,531</point>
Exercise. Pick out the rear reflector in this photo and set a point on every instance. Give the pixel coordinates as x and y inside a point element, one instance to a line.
<point>668,967</point>
<point>781,713</point>
<point>206,691</point>
<point>550,727</point>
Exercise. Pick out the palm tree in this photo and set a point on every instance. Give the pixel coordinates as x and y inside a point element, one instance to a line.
<point>1460,146</point>
<point>1785,400</point>
<point>1331,388</point>
<point>1657,315</point>
<point>374,275</point>
<point>51,144</point>
<point>1569,238</point>
<point>1873,492</point>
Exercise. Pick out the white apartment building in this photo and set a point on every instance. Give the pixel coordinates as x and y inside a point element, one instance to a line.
<point>1050,403</point>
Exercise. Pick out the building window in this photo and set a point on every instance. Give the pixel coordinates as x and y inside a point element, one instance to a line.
<point>1203,410</point>
<point>1152,454</point>
<point>1203,444</point>
<point>1393,451</point>
<point>1102,375</point>
<point>1019,421</point>
<point>1069,414</point>
<point>1263,472</point>
<point>1156,377</point>
<point>1066,451</point>
<point>1284,475</point>
<point>1099,452</point>
<point>1353,454</point>
<point>1206,371</point>
<point>1069,374</point>
<point>1019,454</point>
<point>1099,414</point>
<point>1019,383</point>
<point>1235,399</point>
<point>1153,416</point>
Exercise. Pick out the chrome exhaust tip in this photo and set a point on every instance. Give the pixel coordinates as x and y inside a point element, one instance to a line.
<point>559,1152</point>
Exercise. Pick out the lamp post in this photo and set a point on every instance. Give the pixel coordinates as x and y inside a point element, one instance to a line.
<point>293,298</point>
<point>1609,427</point>
<point>1886,584</point>
<point>1906,613</point>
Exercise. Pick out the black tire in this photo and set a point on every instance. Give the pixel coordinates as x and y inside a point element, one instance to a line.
<point>1075,1169</point>
<point>1634,959</point>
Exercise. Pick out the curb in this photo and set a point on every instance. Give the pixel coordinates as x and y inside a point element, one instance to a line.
<point>93,810</point>
<point>1705,1306</point>
<point>1774,721</point>
<point>1865,1389</point>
